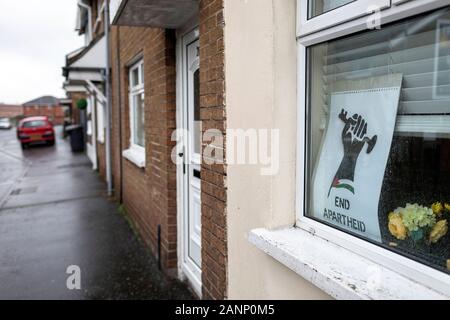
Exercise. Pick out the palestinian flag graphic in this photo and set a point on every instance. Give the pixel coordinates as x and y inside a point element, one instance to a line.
<point>342,184</point>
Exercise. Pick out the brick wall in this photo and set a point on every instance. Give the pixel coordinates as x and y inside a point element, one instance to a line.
<point>212,105</point>
<point>116,117</point>
<point>10,111</point>
<point>54,113</point>
<point>101,156</point>
<point>75,96</point>
<point>149,194</point>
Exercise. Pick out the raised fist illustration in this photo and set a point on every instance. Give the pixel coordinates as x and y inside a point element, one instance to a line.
<point>354,137</point>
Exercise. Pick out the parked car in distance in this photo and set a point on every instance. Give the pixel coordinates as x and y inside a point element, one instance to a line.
<point>5,123</point>
<point>35,130</point>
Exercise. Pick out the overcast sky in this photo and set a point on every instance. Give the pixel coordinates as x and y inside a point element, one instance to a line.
<point>35,36</point>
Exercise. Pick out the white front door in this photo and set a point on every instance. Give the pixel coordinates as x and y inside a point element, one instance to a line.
<point>91,145</point>
<point>191,175</point>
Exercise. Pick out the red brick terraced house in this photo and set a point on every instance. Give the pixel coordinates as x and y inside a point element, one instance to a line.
<point>47,106</point>
<point>160,84</point>
<point>346,104</point>
<point>11,111</point>
<point>85,72</point>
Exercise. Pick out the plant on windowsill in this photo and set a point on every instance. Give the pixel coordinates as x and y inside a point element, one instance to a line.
<point>422,232</point>
<point>420,224</point>
<point>82,104</point>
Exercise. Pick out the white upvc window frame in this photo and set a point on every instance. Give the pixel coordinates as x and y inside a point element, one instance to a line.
<point>346,12</point>
<point>409,268</point>
<point>135,153</point>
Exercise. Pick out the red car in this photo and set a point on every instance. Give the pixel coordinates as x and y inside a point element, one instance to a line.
<point>35,129</point>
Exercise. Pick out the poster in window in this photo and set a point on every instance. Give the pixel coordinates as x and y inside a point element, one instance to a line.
<point>442,61</point>
<point>349,174</point>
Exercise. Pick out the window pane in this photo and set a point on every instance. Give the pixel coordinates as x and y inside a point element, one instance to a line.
<point>139,120</point>
<point>379,136</point>
<point>135,77</point>
<point>197,123</point>
<point>34,124</point>
<point>317,7</point>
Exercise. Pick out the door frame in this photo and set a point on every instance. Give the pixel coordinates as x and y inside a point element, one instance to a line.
<point>184,36</point>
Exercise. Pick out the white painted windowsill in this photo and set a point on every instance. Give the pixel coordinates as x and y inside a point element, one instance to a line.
<point>137,157</point>
<point>337,271</point>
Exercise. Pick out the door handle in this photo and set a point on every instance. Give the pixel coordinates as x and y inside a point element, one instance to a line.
<point>181,155</point>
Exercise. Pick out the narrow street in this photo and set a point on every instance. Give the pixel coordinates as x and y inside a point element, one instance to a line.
<point>54,214</point>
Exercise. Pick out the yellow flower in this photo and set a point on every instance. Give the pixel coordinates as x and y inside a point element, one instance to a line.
<point>437,208</point>
<point>439,230</point>
<point>396,226</point>
<point>447,206</point>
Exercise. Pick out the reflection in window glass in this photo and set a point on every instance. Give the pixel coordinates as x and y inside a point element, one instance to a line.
<point>197,123</point>
<point>379,136</point>
<point>34,124</point>
<point>135,77</point>
<point>139,122</point>
<point>317,7</point>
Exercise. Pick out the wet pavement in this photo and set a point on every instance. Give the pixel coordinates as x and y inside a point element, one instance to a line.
<point>54,214</point>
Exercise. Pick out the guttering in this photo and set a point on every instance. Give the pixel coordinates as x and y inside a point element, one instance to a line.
<point>66,70</point>
<point>89,10</point>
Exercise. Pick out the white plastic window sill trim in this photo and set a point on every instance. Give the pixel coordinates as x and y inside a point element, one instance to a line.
<point>135,156</point>
<point>335,270</point>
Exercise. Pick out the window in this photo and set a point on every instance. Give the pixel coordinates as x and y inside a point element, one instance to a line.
<point>86,23</point>
<point>197,120</point>
<point>316,7</point>
<point>138,120</point>
<point>136,152</point>
<point>315,15</point>
<point>137,106</point>
<point>34,124</point>
<point>377,160</point>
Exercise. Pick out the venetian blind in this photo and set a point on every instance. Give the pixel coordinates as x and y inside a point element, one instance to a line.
<point>411,49</point>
